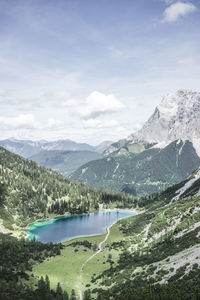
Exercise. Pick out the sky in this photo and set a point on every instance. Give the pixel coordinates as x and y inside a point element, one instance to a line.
<point>92,70</point>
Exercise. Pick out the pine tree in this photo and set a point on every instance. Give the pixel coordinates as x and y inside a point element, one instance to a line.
<point>87,295</point>
<point>73,295</point>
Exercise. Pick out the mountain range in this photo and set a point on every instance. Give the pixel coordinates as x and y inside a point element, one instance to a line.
<point>28,148</point>
<point>64,156</point>
<point>153,255</point>
<point>66,161</point>
<point>164,152</point>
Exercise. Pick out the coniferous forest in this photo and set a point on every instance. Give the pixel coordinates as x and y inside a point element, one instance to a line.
<point>33,192</point>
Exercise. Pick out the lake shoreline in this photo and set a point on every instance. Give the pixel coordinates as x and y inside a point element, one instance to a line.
<point>43,222</point>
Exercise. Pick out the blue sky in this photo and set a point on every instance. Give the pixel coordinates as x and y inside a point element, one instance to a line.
<point>95,69</point>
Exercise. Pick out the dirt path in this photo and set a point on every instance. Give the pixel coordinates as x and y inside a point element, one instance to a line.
<point>90,258</point>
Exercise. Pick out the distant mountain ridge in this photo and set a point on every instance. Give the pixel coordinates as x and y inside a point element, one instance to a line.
<point>27,148</point>
<point>64,161</point>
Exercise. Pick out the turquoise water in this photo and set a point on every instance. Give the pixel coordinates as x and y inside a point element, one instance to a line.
<point>67,228</point>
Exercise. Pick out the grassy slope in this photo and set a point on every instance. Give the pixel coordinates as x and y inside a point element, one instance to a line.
<point>66,267</point>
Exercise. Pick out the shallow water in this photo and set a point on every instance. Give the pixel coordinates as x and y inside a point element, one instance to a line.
<point>67,228</point>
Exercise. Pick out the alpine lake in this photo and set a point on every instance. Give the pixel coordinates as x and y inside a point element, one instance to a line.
<point>67,228</point>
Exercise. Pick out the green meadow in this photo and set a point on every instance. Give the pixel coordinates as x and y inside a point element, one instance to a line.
<point>65,268</point>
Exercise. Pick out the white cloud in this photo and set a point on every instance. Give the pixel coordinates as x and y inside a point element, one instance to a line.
<point>57,96</point>
<point>96,123</point>
<point>61,99</point>
<point>22,121</point>
<point>52,124</point>
<point>98,103</point>
<point>28,121</point>
<point>177,10</point>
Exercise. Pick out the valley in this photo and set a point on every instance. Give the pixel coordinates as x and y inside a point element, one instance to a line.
<point>137,252</point>
<point>64,162</point>
<point>107,253</point>
<point>99,150</point>
<point>141,240</point>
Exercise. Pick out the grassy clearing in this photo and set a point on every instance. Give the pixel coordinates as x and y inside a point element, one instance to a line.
<point>66,267</point>
<point>99,263</point>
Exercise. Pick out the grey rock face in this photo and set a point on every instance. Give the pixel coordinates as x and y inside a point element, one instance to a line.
<point>177,117</point>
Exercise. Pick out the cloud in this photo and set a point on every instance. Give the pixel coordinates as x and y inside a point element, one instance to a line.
<point>28,121</point>
<point>98,104</point>
<point>22,121</point>
<point>177,10</point>
<point>96,123</point>
<point>57,96</point>
<point>53,124</point>
<point>61,99</point>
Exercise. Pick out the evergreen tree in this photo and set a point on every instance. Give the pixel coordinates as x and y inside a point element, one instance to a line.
<point>87,295</point>
<point>3,193</point>
<point>73,295</point>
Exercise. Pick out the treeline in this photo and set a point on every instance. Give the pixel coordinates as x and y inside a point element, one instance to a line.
<point>17,258</point>
<point>79,206</point>
<point>41,291</point>
<point>181,286</point>
<point>75,207</point>
<point>33,191</point>
<point>185,289</point>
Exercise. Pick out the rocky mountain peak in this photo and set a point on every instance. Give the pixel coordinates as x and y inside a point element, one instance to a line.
<point>176,117</point>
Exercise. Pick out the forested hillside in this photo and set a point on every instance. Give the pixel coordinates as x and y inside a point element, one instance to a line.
<point>64,162</point>
<point>30,192</point>
<point>140,169</point>
<point>158,256</point>
<point>17,259</point>
<point>153,255</point>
